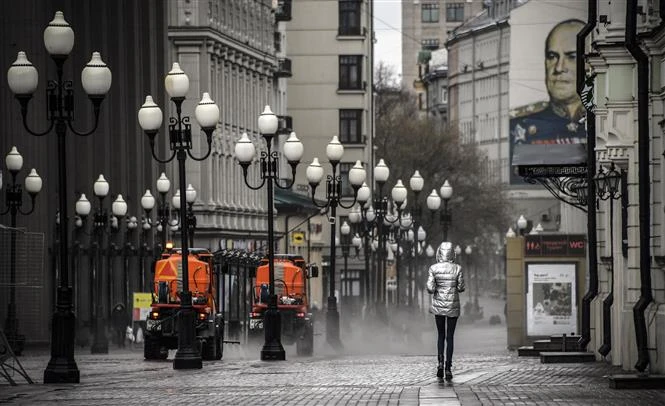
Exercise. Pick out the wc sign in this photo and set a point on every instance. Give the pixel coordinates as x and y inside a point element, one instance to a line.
<point>559,245</point>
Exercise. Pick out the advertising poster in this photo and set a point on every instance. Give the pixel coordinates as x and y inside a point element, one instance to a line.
<point>551,304</point>
<point>545,108</point>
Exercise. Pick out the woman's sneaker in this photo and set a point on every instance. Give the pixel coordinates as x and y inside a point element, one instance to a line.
<point>439,371</point>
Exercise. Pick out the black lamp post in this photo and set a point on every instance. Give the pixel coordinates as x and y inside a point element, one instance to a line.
<point>373,217</point>
<point>128,250</point>
<point>400,232</point>
<point>334,152</point>
<point>363,237</point>
<point>13,203</point>
<point>145,250</point>
<point>468,250</point>
<point>414,249</point>
<point>345,231</point>
<point>191,218</point>
<point>245,151</point>
<point>180,141</point>
<point>607,188</point>
<point>416,184</point>
<point>101,219</point>
<point>164,211</point>
<point>96,80</point>
<point>434,202</point>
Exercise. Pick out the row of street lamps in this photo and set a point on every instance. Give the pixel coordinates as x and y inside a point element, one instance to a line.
<point>96,80</point>
<point>13,203</point>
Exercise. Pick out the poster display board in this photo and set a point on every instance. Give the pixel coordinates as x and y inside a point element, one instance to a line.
<point>551,302</point>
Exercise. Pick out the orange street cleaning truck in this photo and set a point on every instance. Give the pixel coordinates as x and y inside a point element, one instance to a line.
<point>293,302</point>
<point>161,328</point>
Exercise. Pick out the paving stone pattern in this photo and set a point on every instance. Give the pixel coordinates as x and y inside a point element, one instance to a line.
<point>125,379</point>
<point>377,368</point>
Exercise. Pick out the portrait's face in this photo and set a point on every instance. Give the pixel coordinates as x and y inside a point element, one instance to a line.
<point>561,65</point>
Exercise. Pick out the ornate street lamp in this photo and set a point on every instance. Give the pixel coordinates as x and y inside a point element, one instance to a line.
<point>468,250</point>
<point>96,80</point>
<point>145,250</point>
<point>101,219</point>
<point>180,141</point>
<point>334,152</point>
<point>245,152</point>
<point>13,203</point>
<point>434,202</point>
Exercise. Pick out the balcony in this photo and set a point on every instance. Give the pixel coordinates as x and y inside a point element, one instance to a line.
<point>283,10</point>
<point>283,68</point>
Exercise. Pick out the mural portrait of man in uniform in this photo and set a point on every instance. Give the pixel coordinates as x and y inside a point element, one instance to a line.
<point>557,120</point>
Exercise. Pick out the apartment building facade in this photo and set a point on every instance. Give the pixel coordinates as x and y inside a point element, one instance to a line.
<point>330,94</point>
<point>426,25</point>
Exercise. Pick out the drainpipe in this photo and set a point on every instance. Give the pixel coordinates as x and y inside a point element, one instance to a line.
<point>644,184</point>
<point>592,290</point>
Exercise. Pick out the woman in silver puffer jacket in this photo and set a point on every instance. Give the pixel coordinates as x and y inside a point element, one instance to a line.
<point>445,282</point>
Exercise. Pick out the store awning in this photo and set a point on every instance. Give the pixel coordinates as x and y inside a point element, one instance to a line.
<point>290,202</point>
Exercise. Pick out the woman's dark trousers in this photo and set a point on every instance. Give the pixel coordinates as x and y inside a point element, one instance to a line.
<point>446,328</point>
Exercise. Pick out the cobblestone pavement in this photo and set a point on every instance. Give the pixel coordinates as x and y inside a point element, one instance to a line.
<point>378,372</point>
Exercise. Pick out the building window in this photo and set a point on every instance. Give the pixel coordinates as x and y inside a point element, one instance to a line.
<point>349,17</point>
<point>430,13</point>
<point>350,125</point>
<point>430,43</point>
<point>350,72</point>
<point>444,94</point>
<point>344,168</point>
<point>455,12</point>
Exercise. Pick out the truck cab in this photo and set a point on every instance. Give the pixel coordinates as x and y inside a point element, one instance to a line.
<point>291,288</point>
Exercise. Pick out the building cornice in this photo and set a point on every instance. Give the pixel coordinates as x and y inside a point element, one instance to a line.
<point>202,35</point>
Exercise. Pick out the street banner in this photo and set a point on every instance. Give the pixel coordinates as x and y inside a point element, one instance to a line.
<point>551,303</point>
<point>545,109</point>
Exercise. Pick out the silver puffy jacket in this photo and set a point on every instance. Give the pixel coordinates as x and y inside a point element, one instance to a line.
<point>445,281</point>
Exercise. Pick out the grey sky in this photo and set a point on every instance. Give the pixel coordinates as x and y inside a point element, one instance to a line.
<point>387,26</point>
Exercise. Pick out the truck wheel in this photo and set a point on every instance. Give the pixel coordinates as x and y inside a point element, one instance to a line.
<point>152,349</point>
<point>305,344</point>
<point>208,349</point>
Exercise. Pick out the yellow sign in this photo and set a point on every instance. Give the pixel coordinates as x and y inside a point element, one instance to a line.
<point>297,238</point>
<point>142,302</point>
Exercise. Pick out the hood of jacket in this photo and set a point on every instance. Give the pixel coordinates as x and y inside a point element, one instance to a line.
<point>445,252</point>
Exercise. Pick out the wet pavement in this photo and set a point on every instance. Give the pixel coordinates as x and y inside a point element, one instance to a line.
<point>379,365</point>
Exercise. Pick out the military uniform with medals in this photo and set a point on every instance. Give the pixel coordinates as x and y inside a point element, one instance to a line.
<point>546,124</point>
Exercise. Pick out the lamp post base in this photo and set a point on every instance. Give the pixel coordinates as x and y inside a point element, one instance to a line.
<point>187,356</point>
<point>272,348</point>
<point>62,367</point>
<point>332,324</point>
